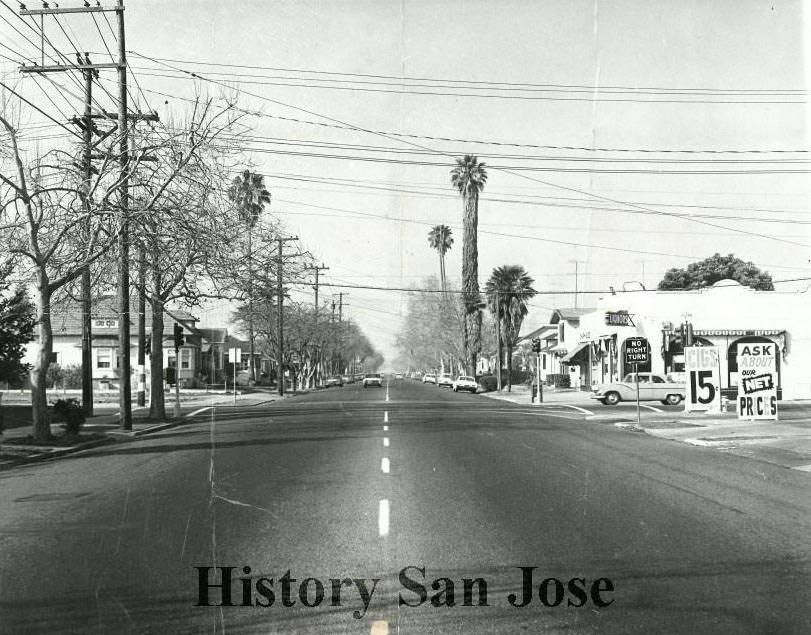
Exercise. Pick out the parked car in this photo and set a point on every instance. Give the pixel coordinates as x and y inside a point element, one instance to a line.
<point>373,379</point>
<point>444,380</point>
<point>335,380</point>
<point>652,387</point>
<point>348,379</point>
<point>398,375</point>
<point>428,378</point>
<point>464,382</point>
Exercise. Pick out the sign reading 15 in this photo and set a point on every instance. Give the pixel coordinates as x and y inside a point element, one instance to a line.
<point>701,380</point>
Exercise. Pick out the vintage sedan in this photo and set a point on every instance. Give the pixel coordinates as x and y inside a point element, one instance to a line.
<point>652,387</point>
<point>464,382</point>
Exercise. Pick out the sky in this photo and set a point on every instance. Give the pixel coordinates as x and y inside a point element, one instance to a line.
<point>622,138</point>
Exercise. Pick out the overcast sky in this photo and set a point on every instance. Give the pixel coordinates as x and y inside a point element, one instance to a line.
<point>608,128</point>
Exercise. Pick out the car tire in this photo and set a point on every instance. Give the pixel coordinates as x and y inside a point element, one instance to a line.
<point>612,398</point>
<point>673,400</point>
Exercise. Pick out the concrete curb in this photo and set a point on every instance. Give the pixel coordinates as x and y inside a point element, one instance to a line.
<point>9,459</point>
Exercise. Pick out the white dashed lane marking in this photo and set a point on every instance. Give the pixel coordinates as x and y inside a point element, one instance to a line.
<point>384,465</point>
<point>383,517</point>
<point>385,428</point>
<point>385,442</point>
<point>386,416</point>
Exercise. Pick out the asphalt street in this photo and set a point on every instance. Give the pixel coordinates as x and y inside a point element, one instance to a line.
<point>627,533</point>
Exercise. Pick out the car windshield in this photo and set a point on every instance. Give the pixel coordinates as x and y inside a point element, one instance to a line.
<point>373,376</point>
<point>464,378</point>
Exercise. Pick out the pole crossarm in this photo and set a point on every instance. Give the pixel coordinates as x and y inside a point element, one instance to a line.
<point>59,68</point>
<point>56,10</point>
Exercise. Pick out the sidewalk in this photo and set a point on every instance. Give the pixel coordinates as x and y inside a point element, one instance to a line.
<point>785,442</point>
<point>104,427</point>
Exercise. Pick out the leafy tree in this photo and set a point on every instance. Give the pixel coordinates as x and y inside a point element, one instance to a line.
<point>16,330</point>
<point>717,267</point>
<point>508,291</point>
<point>469,177</point>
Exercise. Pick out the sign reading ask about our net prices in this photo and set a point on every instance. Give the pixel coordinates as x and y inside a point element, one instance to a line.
<point>757,381</point>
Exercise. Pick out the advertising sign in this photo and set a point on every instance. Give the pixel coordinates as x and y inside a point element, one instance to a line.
<point>702,365</point>
<point>757,381</point>
<point>636,351</point>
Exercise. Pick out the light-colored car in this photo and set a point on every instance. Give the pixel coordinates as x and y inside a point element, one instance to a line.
<point>465,382</point>
<point>652,387</point>
<point>444,380</point>
<point>398,375</point>
<point>335,380</point>
<point>373,379</point>
<point>428,378</point>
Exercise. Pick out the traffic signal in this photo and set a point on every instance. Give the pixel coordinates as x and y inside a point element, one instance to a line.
<point>179,339</point>
<point>536,345</point>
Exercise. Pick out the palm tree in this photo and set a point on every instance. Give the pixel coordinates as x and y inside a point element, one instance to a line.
<point>250,195</point>
<point>440,238</point>
<point>508,290</point>
<point>469,177</point>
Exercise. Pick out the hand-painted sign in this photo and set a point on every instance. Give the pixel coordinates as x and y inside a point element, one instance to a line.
<point>703,368</point>
<point>757,381</point>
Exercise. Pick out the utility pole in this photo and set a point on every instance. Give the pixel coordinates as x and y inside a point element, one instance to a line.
<point>87,302</point>
<point>317,270</point>
<point>280,316</point>
<point>89,70</point>
<point>498,340</point>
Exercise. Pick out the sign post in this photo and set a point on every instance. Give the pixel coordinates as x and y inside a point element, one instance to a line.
<point>235,357</point>
<point>637,352</point>
<point>703,367</point>
<point>757,381</point>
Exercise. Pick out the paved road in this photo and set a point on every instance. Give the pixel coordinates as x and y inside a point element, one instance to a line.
<point>690,541</point>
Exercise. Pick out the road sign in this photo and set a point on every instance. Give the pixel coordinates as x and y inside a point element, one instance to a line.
<point>757,381</point>
<point>235,355</point>
<point>703,367</point>
<point>636,351</point>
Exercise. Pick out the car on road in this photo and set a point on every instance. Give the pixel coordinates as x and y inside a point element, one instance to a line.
<point>335,380</point>
<point>398,375</point>
<point>428,378</point>
<point>373,379</point>
<point>444,380</point>
<point>652,387</point>
<point>465,382</point>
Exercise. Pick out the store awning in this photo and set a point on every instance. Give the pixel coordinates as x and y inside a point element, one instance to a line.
<point>569,357</point>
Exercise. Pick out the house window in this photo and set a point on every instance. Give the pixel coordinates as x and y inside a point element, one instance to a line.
<point>104,358</point>
<point>185,358</point>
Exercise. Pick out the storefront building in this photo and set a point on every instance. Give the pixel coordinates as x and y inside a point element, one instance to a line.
<point>724,315</point>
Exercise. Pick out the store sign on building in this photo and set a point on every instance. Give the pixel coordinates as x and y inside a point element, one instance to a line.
<point>757,383</point>
<point>702,365</point>
<point>618,318</point>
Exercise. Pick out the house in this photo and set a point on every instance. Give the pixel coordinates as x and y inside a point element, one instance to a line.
<point>203,355</point>
<point>561,348</point>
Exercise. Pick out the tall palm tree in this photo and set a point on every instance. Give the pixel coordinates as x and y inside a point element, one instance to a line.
<point>440,238</point>
<point>250,195</point>
<point>469,177</point>
<point>508,291</point>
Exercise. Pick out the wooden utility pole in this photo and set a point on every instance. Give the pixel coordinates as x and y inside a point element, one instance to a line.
<point>280,316</point>
<point>498,340</point>
<point>317,270</point>
<point>89,71</point>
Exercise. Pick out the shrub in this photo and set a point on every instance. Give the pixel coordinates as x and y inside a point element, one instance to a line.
<point>72,376</point>
<point>54,376</point>
<point>560,380</point>
<point>488,383</point>
<point>70,412</point>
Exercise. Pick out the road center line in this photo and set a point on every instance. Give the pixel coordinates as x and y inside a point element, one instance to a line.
<point>386,416</point>
<point>385,442</point>
<point>385,428</point>
<point>383,517</point>
<point>384,465</point>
